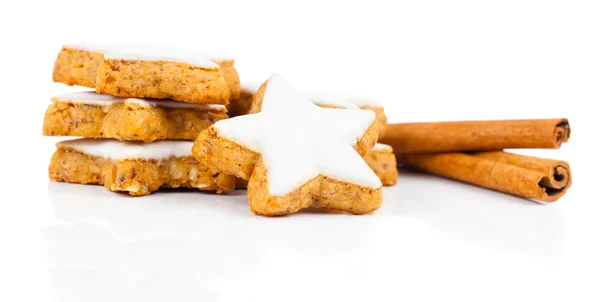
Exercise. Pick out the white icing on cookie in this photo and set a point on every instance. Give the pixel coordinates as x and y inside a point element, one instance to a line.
<point>215,57</point>
<point>151,52</point>
<point>93,98</point>
<point>88,98</point>
<point>299,140</point>
<point>114,149</point>
<point>91,47</point>
<point>325,98</point>
<point>382,147</point>
<point>341,100</point>
<point>251,87</point>
<point>173,104</point>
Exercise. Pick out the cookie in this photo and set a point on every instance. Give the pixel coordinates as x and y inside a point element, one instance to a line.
<point>92,115</point>
<point>295,154</point>
<point>247,104</point>
<point>148,71</point>
<point>78,65</point>
<point>383,162</point>
<point>136,168</point>
<point>230,74</point>
<point>334,100</point>
<point>381,159</point>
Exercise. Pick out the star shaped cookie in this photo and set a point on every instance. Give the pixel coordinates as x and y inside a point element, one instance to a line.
<point>295,154</point>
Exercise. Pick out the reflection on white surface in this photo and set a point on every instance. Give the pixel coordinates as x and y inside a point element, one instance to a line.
<point>175,246</point>
<point>116,247</point>
<point>488,218</point>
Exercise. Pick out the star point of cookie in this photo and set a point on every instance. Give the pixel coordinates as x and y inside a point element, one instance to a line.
<point>296,154</point>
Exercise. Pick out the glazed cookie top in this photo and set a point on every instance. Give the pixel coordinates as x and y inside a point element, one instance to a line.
<point>93,98</point>
<point>150,52</point>
<point>114,149</point>
<point>382,147</point>
<point>299,141</point>
<point>91,46</point>
<point>88,98</point>
<point>340,100</point>
<point>251,87</point>
<point>326,98</point>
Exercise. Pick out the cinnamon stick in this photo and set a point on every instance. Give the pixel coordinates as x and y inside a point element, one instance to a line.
<point>477,135</point>
<point>530,177</point>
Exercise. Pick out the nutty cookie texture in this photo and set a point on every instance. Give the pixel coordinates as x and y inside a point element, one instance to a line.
<point>148,71</point>
<point>138,169</point>
<point>383,162</point>
<point>162,80</point>
<point>295,154</point>
<point>381,159</point>
<point>92,115</point>
<point>76,66</point>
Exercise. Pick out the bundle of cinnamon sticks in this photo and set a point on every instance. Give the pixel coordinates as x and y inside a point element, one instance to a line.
<point>472,152</point>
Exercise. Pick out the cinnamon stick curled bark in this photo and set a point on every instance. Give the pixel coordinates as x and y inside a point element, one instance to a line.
<point>530,177</point>
<point>477,135</point>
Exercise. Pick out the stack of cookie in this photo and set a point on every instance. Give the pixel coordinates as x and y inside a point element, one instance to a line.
<point>150,102</point>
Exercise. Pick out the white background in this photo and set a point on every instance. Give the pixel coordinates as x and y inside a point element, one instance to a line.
<point>433,239</point>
